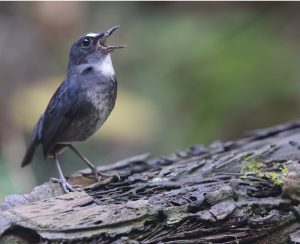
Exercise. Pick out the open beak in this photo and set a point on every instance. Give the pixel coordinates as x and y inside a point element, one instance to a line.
<point>102,40</point>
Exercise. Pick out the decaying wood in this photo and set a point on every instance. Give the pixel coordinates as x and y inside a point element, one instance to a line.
<point>223,193</point>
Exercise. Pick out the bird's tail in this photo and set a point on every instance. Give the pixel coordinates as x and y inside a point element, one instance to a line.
<point>29,153</point>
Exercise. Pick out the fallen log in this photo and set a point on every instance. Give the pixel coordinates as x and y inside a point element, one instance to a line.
<point>244,191</point>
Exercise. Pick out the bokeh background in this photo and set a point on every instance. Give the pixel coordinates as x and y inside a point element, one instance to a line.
<point>192,73</point>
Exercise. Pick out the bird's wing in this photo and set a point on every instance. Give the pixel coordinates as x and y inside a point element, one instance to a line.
<point>35,141</point>
<point>60,112</point>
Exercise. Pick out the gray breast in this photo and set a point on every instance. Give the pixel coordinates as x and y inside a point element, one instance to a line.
<point>96,107</point>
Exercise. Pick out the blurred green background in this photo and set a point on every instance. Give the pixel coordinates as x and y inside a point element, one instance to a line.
<point>193,72</point>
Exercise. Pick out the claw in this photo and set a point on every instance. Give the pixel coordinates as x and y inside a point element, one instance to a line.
<point>62,180</point>
<point>98,175</point>
<point>66,186</point>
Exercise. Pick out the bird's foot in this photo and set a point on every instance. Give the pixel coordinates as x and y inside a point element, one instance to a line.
<point>99,175</point>
<point>66,186</point>
<point>103,178</point>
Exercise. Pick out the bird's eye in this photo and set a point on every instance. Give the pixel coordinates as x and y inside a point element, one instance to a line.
<point>85,42</point>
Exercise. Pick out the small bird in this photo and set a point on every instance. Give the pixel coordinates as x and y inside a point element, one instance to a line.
<point>80,105</point>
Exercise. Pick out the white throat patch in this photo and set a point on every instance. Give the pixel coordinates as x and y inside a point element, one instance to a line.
<point>105,66</point>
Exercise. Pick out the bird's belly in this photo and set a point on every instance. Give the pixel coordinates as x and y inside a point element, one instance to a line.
<point>87,124</point>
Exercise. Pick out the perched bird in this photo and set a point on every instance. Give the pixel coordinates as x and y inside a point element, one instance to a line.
<point>80,105</point>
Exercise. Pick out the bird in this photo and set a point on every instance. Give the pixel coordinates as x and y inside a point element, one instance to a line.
<point>80,105</point>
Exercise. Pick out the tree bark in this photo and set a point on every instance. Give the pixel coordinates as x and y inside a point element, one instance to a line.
<point>244,191</point>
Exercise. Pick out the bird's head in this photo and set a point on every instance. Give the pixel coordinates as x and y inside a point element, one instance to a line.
<point>92,47</point>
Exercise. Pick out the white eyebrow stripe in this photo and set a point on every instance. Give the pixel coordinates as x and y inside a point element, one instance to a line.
<point>92,34</point>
